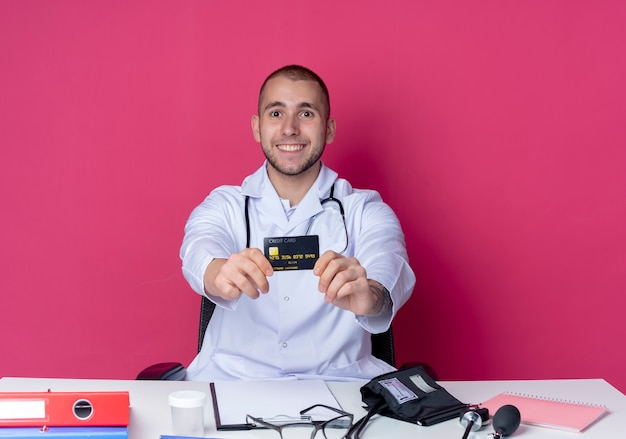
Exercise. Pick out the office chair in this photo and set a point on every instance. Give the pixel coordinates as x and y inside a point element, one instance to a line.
<point>382,347</point>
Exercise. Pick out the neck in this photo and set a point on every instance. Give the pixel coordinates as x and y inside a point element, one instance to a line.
<point>293,187</point>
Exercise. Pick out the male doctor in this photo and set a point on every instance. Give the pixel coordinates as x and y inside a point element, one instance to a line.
<point>301,266</point>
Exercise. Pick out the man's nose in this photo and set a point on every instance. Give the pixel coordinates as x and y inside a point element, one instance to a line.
<point>291,126</point>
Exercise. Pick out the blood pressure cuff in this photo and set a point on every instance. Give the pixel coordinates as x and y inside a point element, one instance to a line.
<point>411,395</point>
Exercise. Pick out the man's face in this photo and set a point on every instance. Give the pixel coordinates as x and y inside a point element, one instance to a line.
<point>292,125</point>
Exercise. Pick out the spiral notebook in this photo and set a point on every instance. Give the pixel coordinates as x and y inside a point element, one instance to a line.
<point>546,412</point>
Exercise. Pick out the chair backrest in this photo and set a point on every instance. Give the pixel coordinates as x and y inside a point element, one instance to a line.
<point>382,344</point>
<point>382,347</point>
<point>206,312</point>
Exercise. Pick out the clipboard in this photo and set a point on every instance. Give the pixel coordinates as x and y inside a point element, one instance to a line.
<point>233,400</point>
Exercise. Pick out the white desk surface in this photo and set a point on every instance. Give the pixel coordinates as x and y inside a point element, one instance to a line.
<point>150,413</point>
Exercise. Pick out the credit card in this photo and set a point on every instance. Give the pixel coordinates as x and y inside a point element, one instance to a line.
<point>292,252</point>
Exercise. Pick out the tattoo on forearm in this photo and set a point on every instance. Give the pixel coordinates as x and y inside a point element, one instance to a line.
<point>382,299</point>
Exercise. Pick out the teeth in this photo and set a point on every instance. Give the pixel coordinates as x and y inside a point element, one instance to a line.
<point>289,148</point>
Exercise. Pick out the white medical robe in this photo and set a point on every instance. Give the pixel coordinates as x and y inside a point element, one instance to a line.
<point>291,332</point>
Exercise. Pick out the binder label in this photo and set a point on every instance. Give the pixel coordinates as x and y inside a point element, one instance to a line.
<point>20,409</point>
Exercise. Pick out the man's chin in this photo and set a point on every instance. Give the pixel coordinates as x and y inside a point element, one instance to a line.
<point>293,170</point>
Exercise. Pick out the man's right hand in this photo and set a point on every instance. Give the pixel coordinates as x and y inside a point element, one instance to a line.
<point>245,272</point>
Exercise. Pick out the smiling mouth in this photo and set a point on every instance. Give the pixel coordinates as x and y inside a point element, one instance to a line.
<point>290,147</point>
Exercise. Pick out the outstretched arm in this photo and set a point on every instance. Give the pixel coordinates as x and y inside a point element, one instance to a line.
<point>245,272</point>
<point>345,284</point>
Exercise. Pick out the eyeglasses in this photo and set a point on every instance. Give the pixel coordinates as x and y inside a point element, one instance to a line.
<point>334,428</point>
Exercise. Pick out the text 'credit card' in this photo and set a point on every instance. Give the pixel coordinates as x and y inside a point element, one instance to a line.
<point>292,252</point>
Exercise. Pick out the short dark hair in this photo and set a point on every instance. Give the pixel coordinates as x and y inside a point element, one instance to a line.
<point>297,73</point>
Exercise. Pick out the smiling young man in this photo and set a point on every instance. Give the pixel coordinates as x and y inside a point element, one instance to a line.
<point>301,266</point>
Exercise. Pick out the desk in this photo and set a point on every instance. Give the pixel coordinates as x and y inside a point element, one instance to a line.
<point>150,415</point>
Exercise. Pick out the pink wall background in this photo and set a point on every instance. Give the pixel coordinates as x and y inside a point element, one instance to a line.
<point>495,129</point>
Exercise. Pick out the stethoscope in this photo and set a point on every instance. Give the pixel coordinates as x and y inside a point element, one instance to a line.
<point>328,199</point>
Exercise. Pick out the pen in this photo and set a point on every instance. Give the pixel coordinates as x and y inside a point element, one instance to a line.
<point>237,427</point>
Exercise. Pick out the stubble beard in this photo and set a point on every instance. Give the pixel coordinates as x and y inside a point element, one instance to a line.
<point>293,170</point>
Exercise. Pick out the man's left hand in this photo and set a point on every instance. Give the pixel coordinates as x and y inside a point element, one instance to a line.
<point>345,284</point>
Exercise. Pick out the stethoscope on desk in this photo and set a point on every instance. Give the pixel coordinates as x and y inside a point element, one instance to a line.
<point>328,199</point>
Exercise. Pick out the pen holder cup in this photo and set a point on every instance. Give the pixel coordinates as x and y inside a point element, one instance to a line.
<point>187,407</point>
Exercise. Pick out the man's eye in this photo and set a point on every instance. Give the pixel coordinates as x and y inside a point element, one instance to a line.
<point>307,114</point>
<point>275,114</point>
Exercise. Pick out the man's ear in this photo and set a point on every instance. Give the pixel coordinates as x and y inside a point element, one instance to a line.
<point>330,130</point>
<point>255,128</point>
